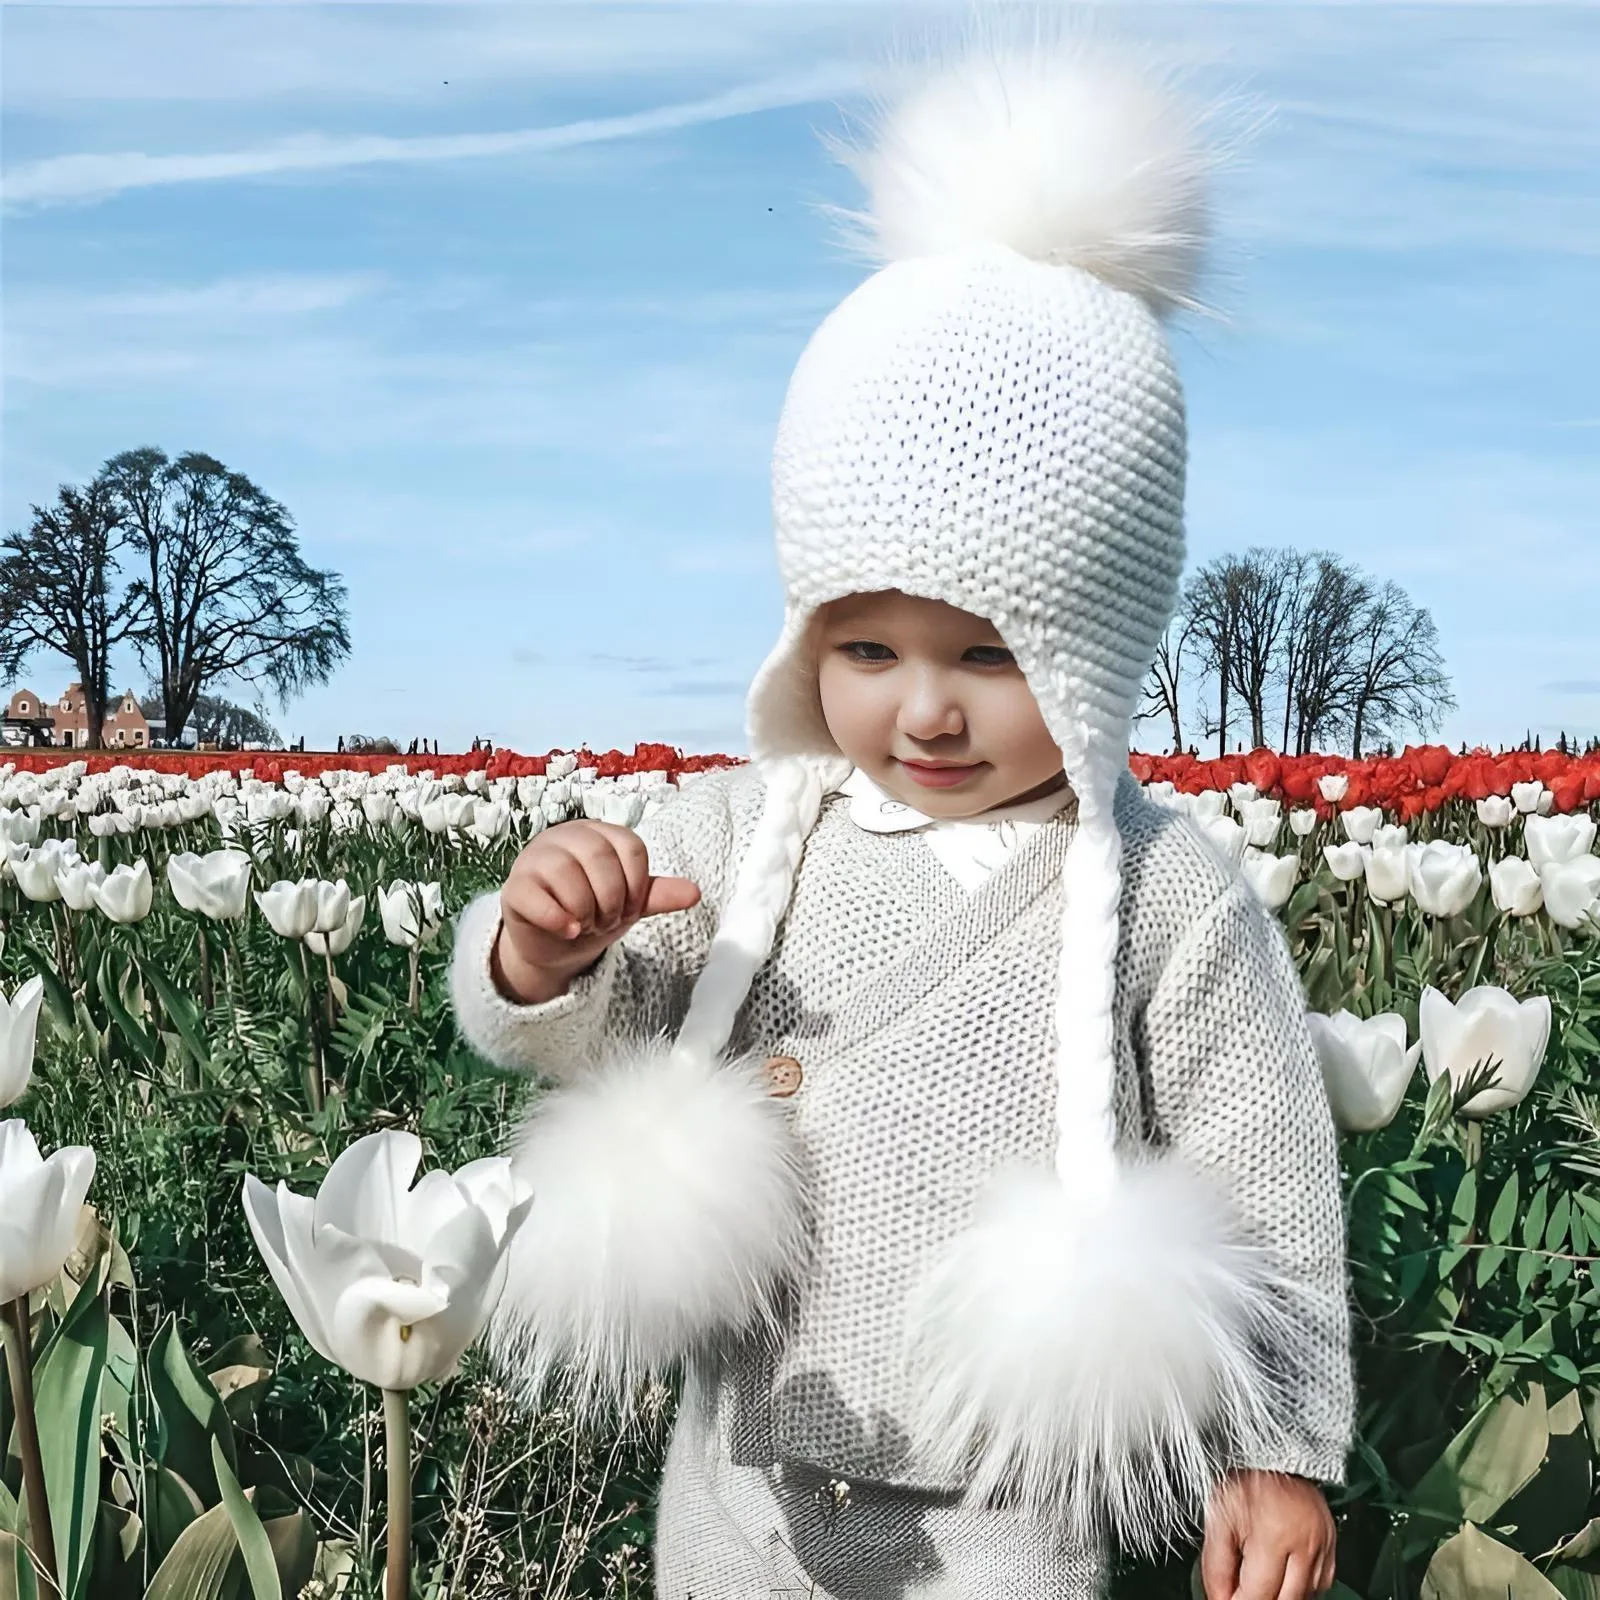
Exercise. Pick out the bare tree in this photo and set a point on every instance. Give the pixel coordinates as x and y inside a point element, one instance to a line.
<point>227,592</point>
<point>1162,688</point>
<point>1212,602</point>
<point>60,591</point>
<point>1349,659</point>
<point>1398,675</point>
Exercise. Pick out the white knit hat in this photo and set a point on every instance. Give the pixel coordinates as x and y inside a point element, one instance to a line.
<point>993,420</point>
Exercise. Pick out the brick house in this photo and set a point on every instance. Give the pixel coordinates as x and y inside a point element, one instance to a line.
<point>32,720</point>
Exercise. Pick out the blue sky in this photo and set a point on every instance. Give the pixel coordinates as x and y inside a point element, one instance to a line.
<point>500,301</point>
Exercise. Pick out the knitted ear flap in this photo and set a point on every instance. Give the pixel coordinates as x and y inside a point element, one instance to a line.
<point>1091,1346</point>
<point>668,1204</point>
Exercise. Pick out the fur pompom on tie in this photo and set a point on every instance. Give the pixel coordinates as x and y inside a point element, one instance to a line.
<point>667,1208</point>
<point>1099,1364</point>
<point>668,1201</point>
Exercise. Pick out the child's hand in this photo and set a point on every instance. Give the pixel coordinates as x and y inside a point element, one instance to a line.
<point>575,889</point>
<point>1269,1536</point>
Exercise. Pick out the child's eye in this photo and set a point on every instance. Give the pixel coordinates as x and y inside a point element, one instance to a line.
<point>851,647</point>
<point>999,656</point>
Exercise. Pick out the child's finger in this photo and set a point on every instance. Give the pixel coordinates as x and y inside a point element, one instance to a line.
<point>529,901</point>
<point>1219,1560</point>
<point>1297,1580</point>
<point>608,881</point>
<point>635,859</point>
<point>567,880</point>
<point>671,894</point>
<point>1262,1572</point>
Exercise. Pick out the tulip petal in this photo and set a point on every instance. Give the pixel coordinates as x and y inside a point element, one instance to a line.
<point>263,1211</point>
<point>364,1191</point>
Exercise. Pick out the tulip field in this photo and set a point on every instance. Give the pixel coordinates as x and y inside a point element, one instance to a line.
<point>253,1207</point>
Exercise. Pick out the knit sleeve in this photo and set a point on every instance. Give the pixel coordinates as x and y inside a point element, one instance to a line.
<point>639,987</point>
<point>1237,1089</point>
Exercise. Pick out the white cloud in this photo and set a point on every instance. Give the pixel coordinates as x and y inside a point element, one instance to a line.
<point>98,177</point>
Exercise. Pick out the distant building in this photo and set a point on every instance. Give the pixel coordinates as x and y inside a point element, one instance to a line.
<point>65,722</point>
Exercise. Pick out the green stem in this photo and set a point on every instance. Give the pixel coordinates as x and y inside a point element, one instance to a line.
<point>414,994</point>
<point>19,1359</point>
<point>314,1074</point>
<point>397,1450</point>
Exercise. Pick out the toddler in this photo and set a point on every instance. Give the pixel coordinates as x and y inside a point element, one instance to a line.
<point>940,1107</point>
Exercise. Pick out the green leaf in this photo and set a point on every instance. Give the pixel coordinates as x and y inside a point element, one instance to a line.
<point>169,1504</point>
<point>203,1565</point>
<point>183,1013</point>
<point>118,1567</point>
<point>1465,1205</point>
<point>1472,1566</point>
<point>1403,1192</point>
<point>1555,1236</point>
<point>294,1549</point>
<point>1504,1213</point>
<point>189,1413</point>
<point>1488,1461</point>
<point>143,1043</point>
<point>256,1548</point>
<point>1533,1223</point>
<point>17,1578</point>
<point>1488,1261</point>
<point>66,1388</point>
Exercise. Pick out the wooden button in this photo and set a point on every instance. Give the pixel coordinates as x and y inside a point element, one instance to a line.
<point>783,1076</point>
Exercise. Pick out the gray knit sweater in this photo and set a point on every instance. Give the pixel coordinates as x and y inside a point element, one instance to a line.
<point>921,1015</point>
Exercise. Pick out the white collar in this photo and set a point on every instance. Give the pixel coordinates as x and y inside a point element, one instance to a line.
<point>877,811</point>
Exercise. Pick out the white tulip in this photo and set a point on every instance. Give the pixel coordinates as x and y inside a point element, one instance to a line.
<point>77,881</point>
<point>380,809</point>
<point>1262,820</point>
<point>1496,810</point>
<point>1391,836</point>
<point>431,814</point>
<point>1303,820</point>
<point>1241,794</point>
<point>125,893</point>
<point>17,827</point>
<point>1571,892</point>
<point>35,872</point>
<point>1360,823</point>
<point>311,806</point>
<point>338,941</point>
<point>39,1204</point>
<point>1365,1066</point>
<point>108,824</point>
<point>1514,887</point>
<point>1346,861</point>
<point>333,905</point>
<point>1204,807</point>
<point>1443,877</point>
<point>625,809</point>
<point>1525,796</point>
<point>490,821</point>
<point>1332,786</point>
<point>216,884</point>
<point>1487,1025</point>
<point>1227,835</point>
<point>19,1025</point>
<point>399,906</point>
<point>389,1282</point>
<point>1271,877</point>
<point>290,908</point>
<point>1558,838</point>
<point>1388,873</point>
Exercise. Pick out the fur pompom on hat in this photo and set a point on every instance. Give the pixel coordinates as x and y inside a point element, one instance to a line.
<point>992,419</point>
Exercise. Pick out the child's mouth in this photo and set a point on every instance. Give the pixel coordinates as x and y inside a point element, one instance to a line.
<point>940,777</point>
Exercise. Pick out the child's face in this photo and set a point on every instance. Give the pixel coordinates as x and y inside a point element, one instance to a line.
<point>903,678</point>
